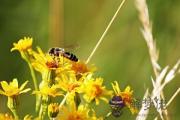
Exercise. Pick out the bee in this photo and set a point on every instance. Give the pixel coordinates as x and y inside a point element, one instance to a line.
<point>56,51</point>
<point>117,104</point>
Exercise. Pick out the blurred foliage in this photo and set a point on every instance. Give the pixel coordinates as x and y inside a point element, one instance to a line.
<point>122,56</point>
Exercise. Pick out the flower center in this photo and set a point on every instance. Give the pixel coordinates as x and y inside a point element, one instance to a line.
<point>79,67</point>
<point>52,64</point>
<point>72,87</point>
<point>98,90</point>
<point>127,97</point>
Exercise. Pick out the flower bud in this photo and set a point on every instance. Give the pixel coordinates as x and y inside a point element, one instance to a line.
<point>53,110</point>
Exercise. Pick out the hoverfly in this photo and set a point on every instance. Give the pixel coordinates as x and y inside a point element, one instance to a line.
<point>117,105</point>
<point>56,51</point>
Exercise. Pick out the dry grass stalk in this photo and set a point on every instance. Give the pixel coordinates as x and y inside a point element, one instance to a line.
<point>105,32</point>
<point>162,77</point>
<point>173,97</point>
<point>143,112</point>
<point>167,77</point>
<point>147,33</point>
<point>158,87</point>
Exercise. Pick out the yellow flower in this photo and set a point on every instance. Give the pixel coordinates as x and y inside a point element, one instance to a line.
<point>93,90</point>
<point>126,95</point>
<point>45,90</point>
<point>23,44</point>
<point>68,83</point>
<point>43,62</point>
<point>6,117</point>
<point>65,68</point>
<point>74,112</point>
<point>12,89</point>
<point>53,110</point>
<point>70,112</point>
<point>81,67</point>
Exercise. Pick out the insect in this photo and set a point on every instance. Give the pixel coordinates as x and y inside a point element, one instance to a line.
<point>116,104</point>
<point>56,51</point>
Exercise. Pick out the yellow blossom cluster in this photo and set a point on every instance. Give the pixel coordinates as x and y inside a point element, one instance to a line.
<point>72,81</point>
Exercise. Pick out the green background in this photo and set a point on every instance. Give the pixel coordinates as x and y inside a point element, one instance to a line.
<point>122,56</point>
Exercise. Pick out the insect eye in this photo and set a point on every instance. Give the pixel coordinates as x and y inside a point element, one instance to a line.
<point>57,49</point>
<point>51,49</point>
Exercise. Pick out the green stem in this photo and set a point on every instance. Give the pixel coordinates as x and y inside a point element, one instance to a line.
<point>33,76</point>
<point>64,100</point>
<point>15,114</point>
<point>46,78</point>
<point>12,104</point>
<point>44,105</point>
<point>25,57</point>
<point>35,86</point>
<point>49,77</point>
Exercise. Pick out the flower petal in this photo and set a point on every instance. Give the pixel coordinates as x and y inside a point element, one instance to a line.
<point>127,89</point>
<point>5,85</point>
<point>23,85</point>
<point>26,90</point>
<point>14,83</point>
<point>2,92</point>
<point>116,87</point>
